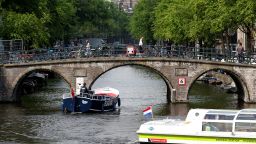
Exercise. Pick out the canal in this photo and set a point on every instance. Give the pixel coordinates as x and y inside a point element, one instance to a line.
<point>39,119</point>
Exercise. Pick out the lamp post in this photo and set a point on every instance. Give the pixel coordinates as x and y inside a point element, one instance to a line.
<point>230,33</point>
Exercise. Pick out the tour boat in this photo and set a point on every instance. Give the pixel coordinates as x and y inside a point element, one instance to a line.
<point>101,99</point>
<point>203,126</point>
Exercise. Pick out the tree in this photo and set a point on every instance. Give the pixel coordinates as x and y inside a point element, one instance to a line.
<point>222,19</point>
<point>59,18</point>
<point>194,20</point>
<point>99,18</point>
<point>141,22</point>
<point>246,19</point>
<point>172,20</point>
<point>38,22</point>
<point>26,27</point>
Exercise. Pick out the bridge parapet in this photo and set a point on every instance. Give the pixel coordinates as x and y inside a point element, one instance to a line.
<point>203,53</point>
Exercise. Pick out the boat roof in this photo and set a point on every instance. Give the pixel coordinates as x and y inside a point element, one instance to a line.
<point>221,114</point>
<point>106,91</point>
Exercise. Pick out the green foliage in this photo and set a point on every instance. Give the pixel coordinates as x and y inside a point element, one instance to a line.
<point>182,21</point>
<point>42,22</point>
<point>60,19</point>
<point>172,18</point>
<point>141,23</point>
<point>246,19</point>
<point>245,11</point>
<point>25,26</point>
<point>99,18</point>
<point>37,22</point>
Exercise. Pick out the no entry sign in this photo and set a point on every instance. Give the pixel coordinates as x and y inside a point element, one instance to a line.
<point>182,81</point>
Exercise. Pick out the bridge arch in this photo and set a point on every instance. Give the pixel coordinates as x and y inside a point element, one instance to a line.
<point>17,82</point>
<point>168,83</point>
<point>238,79</point>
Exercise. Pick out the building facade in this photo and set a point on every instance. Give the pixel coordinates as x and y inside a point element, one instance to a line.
<point>126,5</point>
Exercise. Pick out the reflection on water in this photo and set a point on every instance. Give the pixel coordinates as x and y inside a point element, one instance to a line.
<point>48,99</point>
<point>211,96</point>
<point>38,119</point>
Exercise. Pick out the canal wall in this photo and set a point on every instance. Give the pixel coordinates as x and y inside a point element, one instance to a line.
<point>226,79</point>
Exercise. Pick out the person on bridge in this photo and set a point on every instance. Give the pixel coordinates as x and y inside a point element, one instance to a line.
<point>87,48</point>
<point>240,51</point>
<point>140,45</point>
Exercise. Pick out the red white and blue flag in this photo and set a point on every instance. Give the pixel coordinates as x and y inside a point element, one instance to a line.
<point>148,113</point>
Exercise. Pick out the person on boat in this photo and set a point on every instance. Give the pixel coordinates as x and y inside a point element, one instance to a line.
<point>83,89</point>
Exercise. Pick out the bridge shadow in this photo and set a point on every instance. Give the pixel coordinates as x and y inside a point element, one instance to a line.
<point>223,89</point>
<point>36,81</point>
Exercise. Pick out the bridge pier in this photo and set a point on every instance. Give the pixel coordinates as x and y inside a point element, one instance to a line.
<point>5,89</point>
<point>180,84</point>
<point>178,95</point>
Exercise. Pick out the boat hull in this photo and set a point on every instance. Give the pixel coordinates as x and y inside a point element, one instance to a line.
<point>203,126</point>
<point>101,99</point>
<point>76,104</point>
<point>104,105</point>
<point>187,139</point>
<point>85,104</point>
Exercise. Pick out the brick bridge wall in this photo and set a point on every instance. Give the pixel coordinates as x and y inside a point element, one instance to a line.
<point>179,75</point>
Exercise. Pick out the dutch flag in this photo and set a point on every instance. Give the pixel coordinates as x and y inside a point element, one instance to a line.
<point>148,113</point>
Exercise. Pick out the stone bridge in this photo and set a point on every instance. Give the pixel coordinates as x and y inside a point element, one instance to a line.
<point>178,74</point>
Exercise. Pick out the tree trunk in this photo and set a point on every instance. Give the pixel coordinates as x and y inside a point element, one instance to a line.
<point>222,45</point>
<point>249,46</point>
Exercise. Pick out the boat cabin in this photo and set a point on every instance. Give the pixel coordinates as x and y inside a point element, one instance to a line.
<point>213,120</point>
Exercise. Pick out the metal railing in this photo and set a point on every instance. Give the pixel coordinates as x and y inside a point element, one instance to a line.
<point>211,54</point>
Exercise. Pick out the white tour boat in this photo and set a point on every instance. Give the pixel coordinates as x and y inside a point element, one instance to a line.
<point>203,126</point>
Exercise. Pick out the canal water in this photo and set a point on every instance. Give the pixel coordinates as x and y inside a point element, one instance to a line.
<point>39,119</point>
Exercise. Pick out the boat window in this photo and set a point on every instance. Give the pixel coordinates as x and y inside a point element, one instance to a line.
<point>227,112</point>
<point>246,117</point>
<point>217,127</point>
<point>226,117</point>
<point>210,117</point>
<point>219,117</point>
<point>245,127</point>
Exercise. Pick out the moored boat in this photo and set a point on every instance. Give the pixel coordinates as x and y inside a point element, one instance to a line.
<point>203,126</point>
<point>101,99</point>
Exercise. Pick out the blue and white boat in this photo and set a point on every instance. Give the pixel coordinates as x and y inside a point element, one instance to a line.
<point>101,99</point>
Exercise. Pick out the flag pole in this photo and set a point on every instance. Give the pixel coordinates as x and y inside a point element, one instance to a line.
<point>73,96</point>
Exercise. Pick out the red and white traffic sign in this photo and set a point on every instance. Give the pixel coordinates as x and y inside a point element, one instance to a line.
<point>182,81</point>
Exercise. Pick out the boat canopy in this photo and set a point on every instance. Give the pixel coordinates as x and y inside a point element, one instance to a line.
<point>107,91</point>
<point>225,120</point>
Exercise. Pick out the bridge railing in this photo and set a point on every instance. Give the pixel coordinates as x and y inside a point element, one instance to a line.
<point>211,54</point>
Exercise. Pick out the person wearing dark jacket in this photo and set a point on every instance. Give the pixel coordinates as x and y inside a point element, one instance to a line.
<point>83,89</point>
